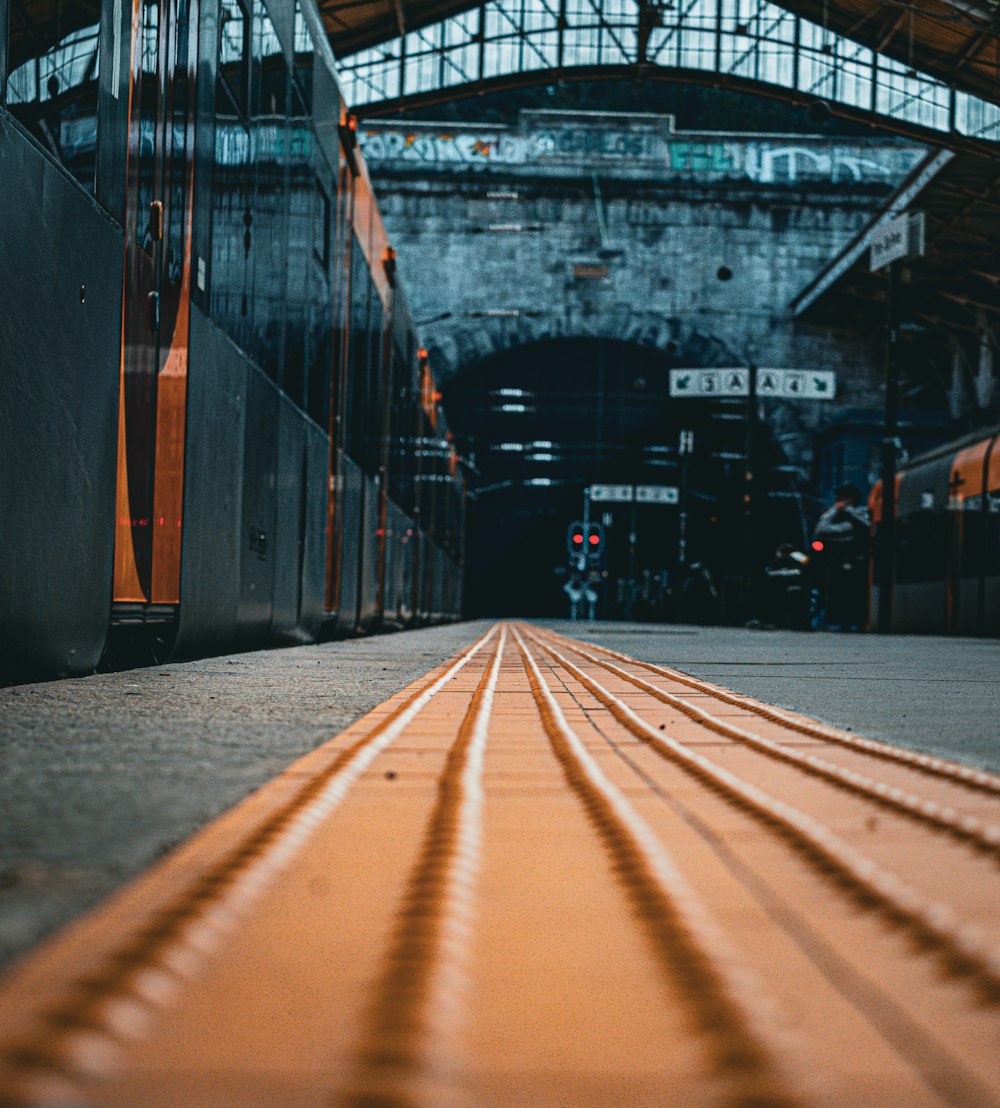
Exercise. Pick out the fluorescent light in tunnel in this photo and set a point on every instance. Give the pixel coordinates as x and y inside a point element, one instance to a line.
<point>509,447</point>
<point>514,408</point>
<point>540,481</point>
<point>543,458</point>
<point>511,392</point>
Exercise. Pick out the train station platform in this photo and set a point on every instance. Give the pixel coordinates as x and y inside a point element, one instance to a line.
<point>508,864</point>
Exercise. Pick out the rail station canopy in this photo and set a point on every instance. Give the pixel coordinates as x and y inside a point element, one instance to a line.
<point>955,41</point>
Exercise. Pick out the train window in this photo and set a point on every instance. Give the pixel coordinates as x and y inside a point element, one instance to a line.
<point>269,152</point>
<point>233,87</point>
<point>304,56</point>
<point>273,100</point>
<point>321,249</point>
<point>51,88</point>
<point>372,450</point>
<point>177,137</point>
<point>233,219</point>
<point>307,289</point>
<point>358,353</point>
<point>148,91</point>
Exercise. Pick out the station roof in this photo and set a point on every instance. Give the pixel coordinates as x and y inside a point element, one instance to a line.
<point>957,280</point>
<point>953,40</point>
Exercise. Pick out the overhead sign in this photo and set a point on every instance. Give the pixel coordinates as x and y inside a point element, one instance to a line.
<point>656,494</point>
<point>611,494</point>
<point>902,237</point>
<point>641,494</point>
<point>797,384</point>
<point>788,384</point>
<point>710,382</point>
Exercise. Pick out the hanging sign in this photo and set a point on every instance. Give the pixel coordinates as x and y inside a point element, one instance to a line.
<point>641,494</point>
<point>788,384</point>
<point>902,237</point>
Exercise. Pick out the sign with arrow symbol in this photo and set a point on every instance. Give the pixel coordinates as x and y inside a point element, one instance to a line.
<point>786,384</point>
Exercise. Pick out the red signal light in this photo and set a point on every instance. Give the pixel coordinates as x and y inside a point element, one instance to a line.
<point>577,539</point>
<point>595,540</point>
<point>817,546</point>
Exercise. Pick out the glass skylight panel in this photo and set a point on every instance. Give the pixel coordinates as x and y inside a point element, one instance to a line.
<point>541,50</point>
<point>582,46</point>
<point>502,18</point>
<point>856,74</point>
<point>621,12</point>
<point>384,73</point>
<point>753,39</point>
<point>902,93</point>
<point>977,117</point>
<point>540,16</point>
<point>620,45</point>
<point>498,58</point>
<point>697,50</point>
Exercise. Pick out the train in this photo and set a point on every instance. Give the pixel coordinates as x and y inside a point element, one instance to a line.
<point>218,429</point>
<point>947,542</point>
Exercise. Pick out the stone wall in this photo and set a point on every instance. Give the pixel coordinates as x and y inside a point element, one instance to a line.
<point>577,224</point>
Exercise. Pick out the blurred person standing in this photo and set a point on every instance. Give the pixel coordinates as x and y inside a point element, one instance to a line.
<point>843,531</point>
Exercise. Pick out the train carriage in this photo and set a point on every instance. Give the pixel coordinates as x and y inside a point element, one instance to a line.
<point>947,557</point>
<point>213,408</point>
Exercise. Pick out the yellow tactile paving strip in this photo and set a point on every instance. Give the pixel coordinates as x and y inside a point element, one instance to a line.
<point>546,875</point>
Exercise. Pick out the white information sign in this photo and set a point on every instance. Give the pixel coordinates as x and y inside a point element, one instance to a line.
<point>710,382</point>
<point>657,494</point>
<point>902,237</point>
<point>641,494</point>
<point>789,384</point>
<point>611,494</point>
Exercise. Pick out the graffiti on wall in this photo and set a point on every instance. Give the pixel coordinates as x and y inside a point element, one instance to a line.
<point>768,162</point>
<point>765,161</point>
<point>442,148</point>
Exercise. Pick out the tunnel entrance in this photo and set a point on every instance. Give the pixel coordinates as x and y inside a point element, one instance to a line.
<point>540,424</point>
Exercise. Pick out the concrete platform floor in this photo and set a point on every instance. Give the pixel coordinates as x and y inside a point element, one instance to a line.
<point>100,776</point>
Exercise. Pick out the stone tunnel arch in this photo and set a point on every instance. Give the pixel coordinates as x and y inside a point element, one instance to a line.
<point>455,345</point>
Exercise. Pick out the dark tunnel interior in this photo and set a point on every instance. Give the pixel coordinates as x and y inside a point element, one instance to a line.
<point>539,424</point>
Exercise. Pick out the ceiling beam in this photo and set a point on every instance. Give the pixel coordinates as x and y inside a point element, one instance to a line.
<point>400,17</point>
<point>887,35</point>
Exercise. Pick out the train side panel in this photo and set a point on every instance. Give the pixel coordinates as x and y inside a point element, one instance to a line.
<point>316,456</point>
<point>991,544</point>
<point>60,287</point>
<point>924,594</point>
<point>259,510</point>
<point>371,551</point>
<point>947,563</point>
<point>351,513</point>
<point>213,491</point>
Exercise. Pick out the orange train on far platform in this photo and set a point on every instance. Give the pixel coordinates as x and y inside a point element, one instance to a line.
<point>947,557</point>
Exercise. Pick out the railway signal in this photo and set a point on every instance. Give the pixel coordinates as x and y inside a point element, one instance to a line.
<point>595,543</point>
<point>576,535</point>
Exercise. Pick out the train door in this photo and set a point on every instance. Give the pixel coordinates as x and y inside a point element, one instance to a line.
<point>155,309</point>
